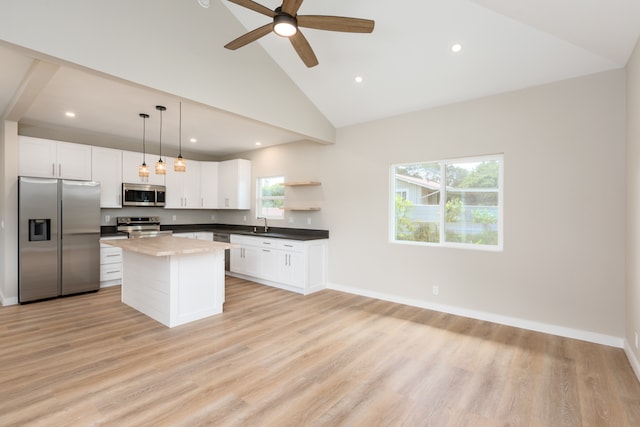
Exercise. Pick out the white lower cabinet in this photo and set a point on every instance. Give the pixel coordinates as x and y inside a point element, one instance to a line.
<point>110,264</point>
<point>298,266</point>
<point>244,259</point>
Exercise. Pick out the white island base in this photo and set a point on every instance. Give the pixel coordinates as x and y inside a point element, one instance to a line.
<point>173,287</point>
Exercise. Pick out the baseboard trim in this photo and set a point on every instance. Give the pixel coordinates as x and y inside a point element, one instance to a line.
<point>633,360</point>
<point>608,340</point>
<point>4,301</point>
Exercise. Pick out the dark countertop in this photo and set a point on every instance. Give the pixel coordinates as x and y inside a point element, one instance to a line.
<point>301,234</point>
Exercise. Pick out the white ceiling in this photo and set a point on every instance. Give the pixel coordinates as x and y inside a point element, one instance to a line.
<point>406,65</point>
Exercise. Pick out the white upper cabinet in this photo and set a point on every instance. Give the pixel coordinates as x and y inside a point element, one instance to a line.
<point>234,184</point>
<point>209,185</point>
<point>131,160</point>
<point>183,188</point>
<point>106,168</point>
<point>54,159</point>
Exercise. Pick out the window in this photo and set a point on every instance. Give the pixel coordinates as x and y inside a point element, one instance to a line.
<point>270,197</point>
<point>450,203</point>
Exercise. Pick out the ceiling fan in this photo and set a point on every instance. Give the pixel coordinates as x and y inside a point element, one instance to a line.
<point>286,22</point>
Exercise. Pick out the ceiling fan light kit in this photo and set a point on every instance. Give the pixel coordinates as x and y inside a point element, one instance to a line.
<point>286,23</point>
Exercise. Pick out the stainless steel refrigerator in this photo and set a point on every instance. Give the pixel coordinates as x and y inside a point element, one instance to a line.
<point>59,237</point>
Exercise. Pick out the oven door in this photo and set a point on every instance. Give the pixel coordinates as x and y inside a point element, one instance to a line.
<point>139,195</point>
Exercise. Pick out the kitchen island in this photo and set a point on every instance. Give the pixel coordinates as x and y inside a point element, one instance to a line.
<point>173,280</point>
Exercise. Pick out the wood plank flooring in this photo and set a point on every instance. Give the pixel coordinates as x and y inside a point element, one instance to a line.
<point>275,358</point>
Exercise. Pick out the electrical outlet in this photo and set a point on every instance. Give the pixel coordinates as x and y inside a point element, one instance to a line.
<point>213,217</point>
<point>636,340</point>
<point>436,290</point>
<point>245,218</point>
<point>107,218</point>
<point>309,220</point>
<point>174,217</point>
<point>290,220</point>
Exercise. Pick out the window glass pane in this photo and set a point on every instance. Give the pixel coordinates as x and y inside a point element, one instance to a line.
<point>271,197</point>
<point>417,202</point>
<point>471,209</point>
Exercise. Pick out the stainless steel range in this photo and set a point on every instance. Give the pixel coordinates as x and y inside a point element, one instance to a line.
<point>141,226</point>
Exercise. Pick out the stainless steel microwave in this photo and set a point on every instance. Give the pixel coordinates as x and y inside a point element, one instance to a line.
<point>143,195</point>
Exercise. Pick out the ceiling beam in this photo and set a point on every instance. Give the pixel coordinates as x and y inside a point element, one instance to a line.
<point>35,80</point>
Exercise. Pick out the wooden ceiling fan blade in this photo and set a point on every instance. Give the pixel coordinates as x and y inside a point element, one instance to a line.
<point>250,37</point>
<point>336,23</point>
<point>256,7</point>
<point>302,46</point>
<point>291,6</point>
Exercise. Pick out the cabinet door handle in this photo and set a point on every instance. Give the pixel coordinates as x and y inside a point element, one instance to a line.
<point>112,255</point>
<point>202,202</point>
<point>60,169</point>
<point>53,169</point>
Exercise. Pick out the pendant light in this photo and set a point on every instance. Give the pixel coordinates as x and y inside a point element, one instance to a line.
<point>143,169</point>
<point>161,167</point>
<point>180,165</point>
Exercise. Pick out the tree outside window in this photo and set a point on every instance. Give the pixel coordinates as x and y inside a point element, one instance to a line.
<point>270,197</point>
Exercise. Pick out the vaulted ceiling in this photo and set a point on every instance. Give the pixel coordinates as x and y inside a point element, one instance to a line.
<point>405,65</point>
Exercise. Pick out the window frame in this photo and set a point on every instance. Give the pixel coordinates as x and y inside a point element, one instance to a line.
<point>393,191</point>
<point>260,198</point>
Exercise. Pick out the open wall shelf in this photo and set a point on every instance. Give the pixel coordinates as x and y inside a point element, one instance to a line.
<point>301,183</point>
<point>302,209</point>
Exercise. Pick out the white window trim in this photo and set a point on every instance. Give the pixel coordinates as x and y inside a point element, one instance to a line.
<point>500,224</point>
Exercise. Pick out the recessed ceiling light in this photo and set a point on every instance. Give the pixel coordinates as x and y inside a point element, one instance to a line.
<point>70,114</point>
<point>258,143</point>
<point>193,140</point>
<point>456,48</point>
<point>203,3</point>
<point>359,79</point>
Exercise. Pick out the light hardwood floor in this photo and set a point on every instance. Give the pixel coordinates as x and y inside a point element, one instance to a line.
<point>275,358</point>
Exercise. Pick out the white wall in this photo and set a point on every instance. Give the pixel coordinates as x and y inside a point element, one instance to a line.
<point>9,213</point>
<point>633,208</point>
<point>562,268</point>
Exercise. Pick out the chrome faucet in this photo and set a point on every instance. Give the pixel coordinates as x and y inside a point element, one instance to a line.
<point>266,228</point>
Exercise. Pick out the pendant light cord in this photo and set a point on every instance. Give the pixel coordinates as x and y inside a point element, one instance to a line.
<point>160,135</point>
<point>180,132</point>
<point>144,132</point>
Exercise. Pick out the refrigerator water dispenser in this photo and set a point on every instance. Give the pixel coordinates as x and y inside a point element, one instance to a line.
<point>39,230</point>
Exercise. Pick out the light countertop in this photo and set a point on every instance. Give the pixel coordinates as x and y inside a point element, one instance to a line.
<point>168,245</point>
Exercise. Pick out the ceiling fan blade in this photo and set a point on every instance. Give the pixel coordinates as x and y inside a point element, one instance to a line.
<point>336,23</point>
<point>302,46</point>
<point>250,37</point>
<point>255,7</point>
<point>291,6</point>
